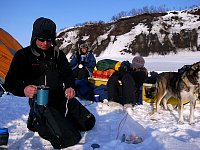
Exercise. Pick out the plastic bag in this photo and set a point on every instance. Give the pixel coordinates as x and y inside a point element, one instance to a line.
<point>130,131</point>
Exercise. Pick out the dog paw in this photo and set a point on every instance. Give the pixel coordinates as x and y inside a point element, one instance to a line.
<point>151,113</point>
<point>191,123</point>
<point>180,122</point>
<point>170,107</point>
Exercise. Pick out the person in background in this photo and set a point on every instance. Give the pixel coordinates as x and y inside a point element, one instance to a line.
<point>42,63</point>
<point>83,62</point>
<point>140,75</point>
<point>124,85</point>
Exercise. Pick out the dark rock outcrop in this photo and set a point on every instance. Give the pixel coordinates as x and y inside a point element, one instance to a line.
<point>160,33</point>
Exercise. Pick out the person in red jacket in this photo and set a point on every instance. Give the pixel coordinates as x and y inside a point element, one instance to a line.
<point>42,63</point>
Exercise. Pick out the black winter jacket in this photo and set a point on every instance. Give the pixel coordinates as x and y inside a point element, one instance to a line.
<point>29,69</point>
<point>139,75</point>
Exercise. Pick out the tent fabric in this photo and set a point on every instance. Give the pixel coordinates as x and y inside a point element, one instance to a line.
<point>8,47</point>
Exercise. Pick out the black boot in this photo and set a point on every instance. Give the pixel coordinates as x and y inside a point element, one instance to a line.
<point>31,118</point>
<point>30,124</point>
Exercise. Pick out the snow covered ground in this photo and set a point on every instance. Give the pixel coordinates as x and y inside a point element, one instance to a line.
<point>158,131</point>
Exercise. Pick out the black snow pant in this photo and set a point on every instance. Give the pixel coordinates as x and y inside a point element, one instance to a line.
<point>124,92</point>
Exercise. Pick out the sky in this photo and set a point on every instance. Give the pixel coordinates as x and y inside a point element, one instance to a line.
<point>17,16</point>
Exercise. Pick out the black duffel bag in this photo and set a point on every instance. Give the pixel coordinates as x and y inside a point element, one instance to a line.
<point>53,126</point>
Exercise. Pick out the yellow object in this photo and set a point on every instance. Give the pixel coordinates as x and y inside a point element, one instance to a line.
<point>117,65</point>
<point>95,68</point>
<point>173,101</point>
<point>98,81</point>
<point>146,99</point>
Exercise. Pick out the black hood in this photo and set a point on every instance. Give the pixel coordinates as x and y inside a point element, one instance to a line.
<point>44,28</point>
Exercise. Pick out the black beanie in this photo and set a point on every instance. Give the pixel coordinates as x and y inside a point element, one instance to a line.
<point>44,28</point>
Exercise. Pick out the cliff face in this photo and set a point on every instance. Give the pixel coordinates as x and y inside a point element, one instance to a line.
<point>145,34</point>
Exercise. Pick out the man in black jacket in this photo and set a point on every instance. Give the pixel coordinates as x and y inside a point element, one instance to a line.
<point>42,63</point>
<point>132,76</point>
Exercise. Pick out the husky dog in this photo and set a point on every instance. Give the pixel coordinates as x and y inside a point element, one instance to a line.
<point>182,86</point>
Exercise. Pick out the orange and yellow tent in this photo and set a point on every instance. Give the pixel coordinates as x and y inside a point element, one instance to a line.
<point>8,47</point>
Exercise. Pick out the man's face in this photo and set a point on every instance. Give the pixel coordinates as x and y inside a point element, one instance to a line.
<point>84,50</point>
<point>43,44</point>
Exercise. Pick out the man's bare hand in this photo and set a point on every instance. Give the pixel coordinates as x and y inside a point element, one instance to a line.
<point>30,91</point>
<point>69,93</point>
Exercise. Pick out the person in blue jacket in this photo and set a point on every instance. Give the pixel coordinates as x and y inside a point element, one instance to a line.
<point>83,62</point>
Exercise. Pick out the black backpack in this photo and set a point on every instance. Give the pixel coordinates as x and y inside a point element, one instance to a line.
<point>184,68</point>
<point>54,127</point>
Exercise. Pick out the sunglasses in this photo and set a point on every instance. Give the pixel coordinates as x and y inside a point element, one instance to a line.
<point>42,40</point>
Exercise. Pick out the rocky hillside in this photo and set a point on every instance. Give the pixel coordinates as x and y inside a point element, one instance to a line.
<point>144,34</point>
